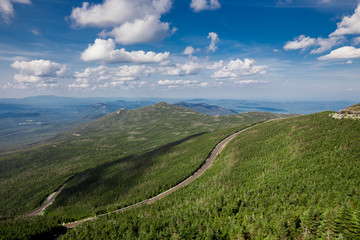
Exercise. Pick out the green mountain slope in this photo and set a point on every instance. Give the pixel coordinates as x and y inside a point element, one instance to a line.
<point>290,179</point>
<point>206,108</point>
<point>108,145</point>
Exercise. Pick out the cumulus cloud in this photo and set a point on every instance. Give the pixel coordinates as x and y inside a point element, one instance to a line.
<point>39,68</point>
<point>189,50</point>
<point>214,39</point>
<point>104,50</point>
<point>302,42</point>
<point>346,52</point>
<point>112,13</point>
<point>200,5</point>
<point>132,21</point>
<point>181,83</point>
<point>189,68</point>
<point>145,30</point>
<point>43,73</point>
<point>216,65</point>
<point>327,44</point>
<point>349,24</point>
<point>7,9</point>
<point>104,77</point>
<point>236,69</point>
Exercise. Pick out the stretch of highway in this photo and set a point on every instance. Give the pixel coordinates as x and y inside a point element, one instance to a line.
<point>203,168</point>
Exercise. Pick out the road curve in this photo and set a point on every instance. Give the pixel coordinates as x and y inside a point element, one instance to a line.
<point>202,169</point>
<point>47,203</point>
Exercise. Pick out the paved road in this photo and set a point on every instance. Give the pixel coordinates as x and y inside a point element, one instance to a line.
<point>205,166</point>
<point>47,203</point>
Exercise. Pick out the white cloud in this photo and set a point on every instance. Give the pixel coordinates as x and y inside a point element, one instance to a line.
<point>346,52</point>
<point>39,68</point>
<point>200,5</point>
<point>214,38</point>
<point>349,24</point>
<point>181,83</point>
<point>194,83</point>
<point>7,9</point>
<point>113,13</point>
<point>132,21</point>
<point>35,31</point>
<point>104,50</point>
<point>188,68</point>
<point>357,40</point>
<point>42,73</point>
<point>249,82</point>
<point>145,30</point>
<point>189,50</point>
<point>236,69</point>
<point>302,42</point>
<point>326,44</point>
<point>105,77</point>
<point>216,65</point>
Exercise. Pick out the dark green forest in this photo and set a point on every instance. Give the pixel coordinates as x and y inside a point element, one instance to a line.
<point>295,178</point>
<point>114,140</point>
<point>120,159</point>
<point>288,179</point>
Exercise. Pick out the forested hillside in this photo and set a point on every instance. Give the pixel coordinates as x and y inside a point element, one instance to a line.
<point>290,179</point>
<point>119,142</point>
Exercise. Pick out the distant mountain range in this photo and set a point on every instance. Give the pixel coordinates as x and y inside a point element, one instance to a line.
<point>206,108</point>
<point>29,120</point>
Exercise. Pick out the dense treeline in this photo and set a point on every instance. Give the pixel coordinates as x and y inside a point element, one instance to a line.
<point>289,179</point>
<point>227,222</point>
<point>39,227</point>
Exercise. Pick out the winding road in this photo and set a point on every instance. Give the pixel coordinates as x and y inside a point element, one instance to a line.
<point>49,201</point>
<point>202,169</point>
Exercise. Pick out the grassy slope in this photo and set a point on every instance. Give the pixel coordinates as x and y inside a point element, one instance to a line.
<point>28,176</point>
<point>293,179</point>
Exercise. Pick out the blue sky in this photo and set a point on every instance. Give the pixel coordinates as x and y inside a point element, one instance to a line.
<point>240,49</point>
